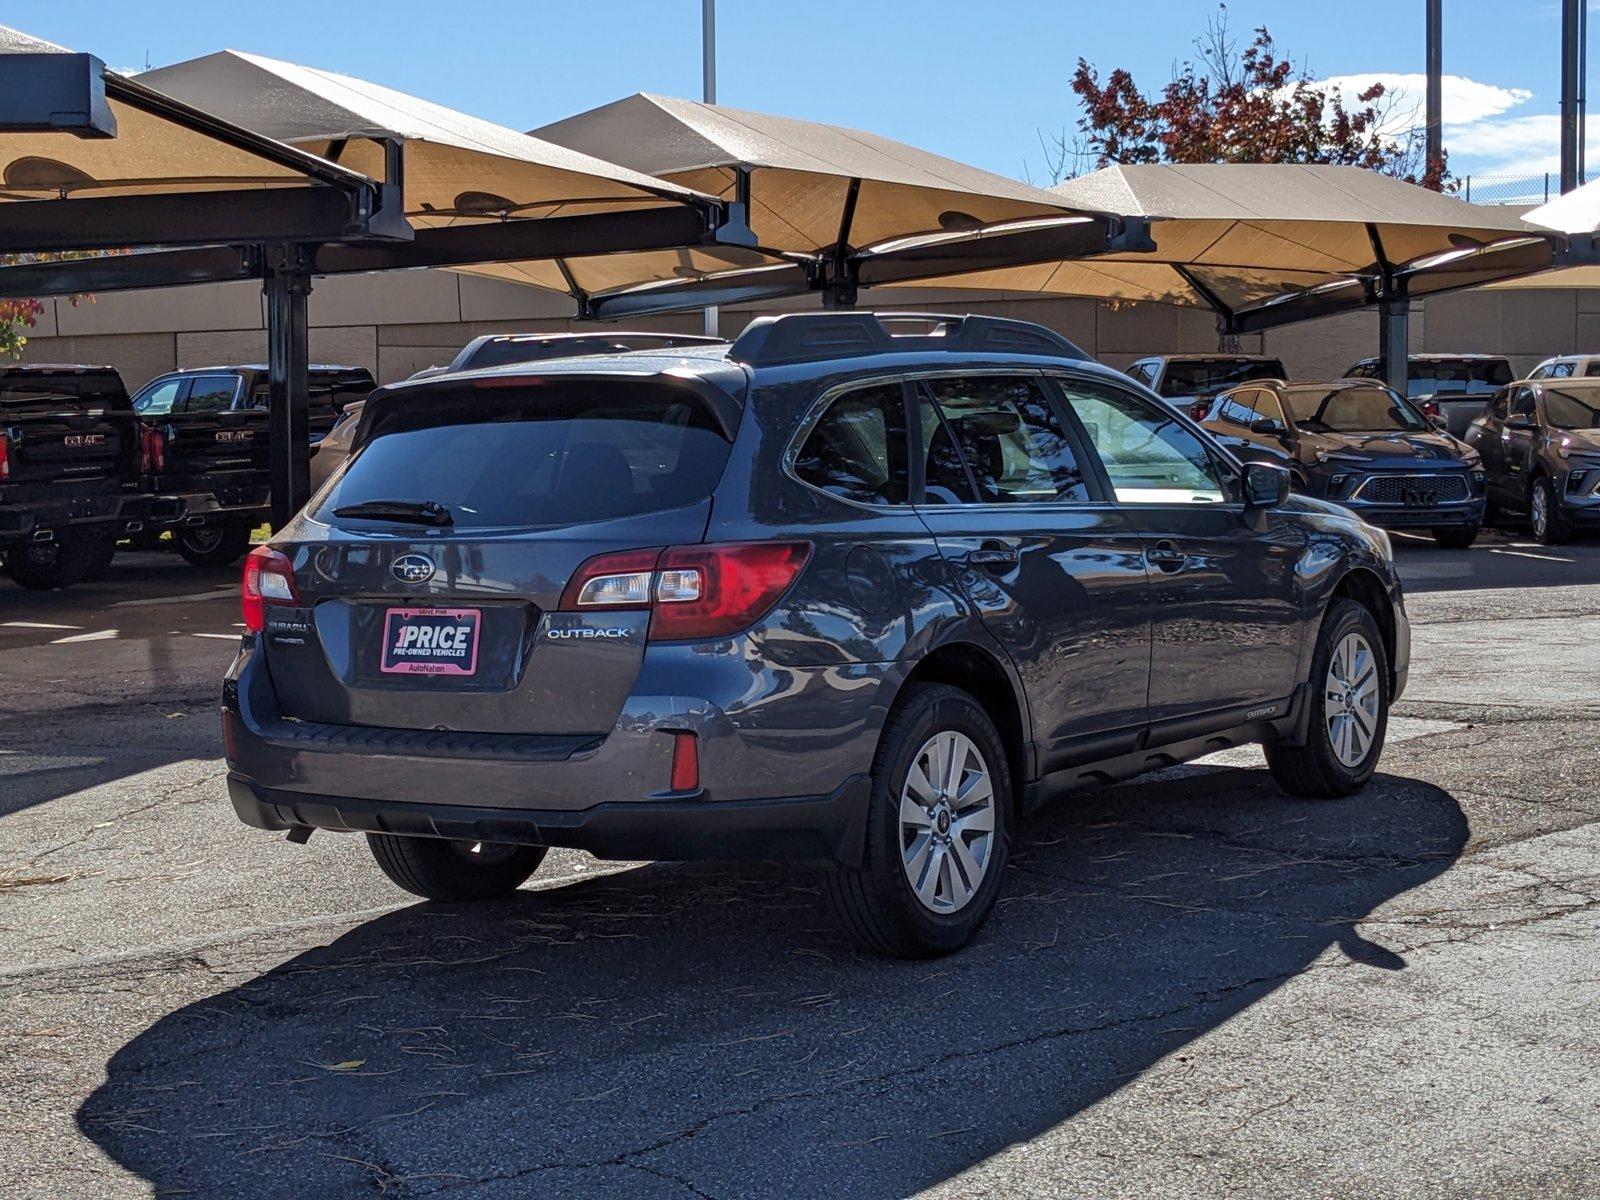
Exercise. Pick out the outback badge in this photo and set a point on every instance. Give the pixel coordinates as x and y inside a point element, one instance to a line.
<point>412,568</point>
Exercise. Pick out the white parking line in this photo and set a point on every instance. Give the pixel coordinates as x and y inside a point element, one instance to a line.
<point>222,589</point>
<point>103,635</point>
<point>35,625</point>
<point>227,637</point>
<point>1538,557</point>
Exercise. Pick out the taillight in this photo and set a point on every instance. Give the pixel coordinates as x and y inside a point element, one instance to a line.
<point>693,593</point>
<point>152,451</point>
<point>1429,408</point>
<point>1199,409</point>
<point>5,458</point>
<point>268,579</point>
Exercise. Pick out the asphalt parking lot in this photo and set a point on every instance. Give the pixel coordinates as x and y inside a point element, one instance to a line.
<point>1192,986</point>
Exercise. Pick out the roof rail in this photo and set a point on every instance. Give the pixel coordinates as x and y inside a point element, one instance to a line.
<point>809,337</point>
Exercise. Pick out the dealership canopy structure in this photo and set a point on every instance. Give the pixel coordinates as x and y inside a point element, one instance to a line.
<point>816,196</point>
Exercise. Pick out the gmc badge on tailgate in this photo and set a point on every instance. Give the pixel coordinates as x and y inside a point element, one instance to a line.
<point>83,439</point>
<point>233,435</point>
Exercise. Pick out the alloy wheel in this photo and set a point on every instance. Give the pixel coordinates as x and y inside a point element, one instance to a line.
<point>203,540</point>
<point>1539,510</point>
<point>1352,695</point>
<point>947,822</point>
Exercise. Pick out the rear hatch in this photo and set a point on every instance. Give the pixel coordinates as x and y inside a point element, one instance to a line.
<point>68,431</point>
<point>409,624</point>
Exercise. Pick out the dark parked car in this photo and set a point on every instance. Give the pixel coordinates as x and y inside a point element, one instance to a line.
<point>1540,444</point>
<point>827,593</point>
<point>208,425</point>
<point>69,472</point>
<point>1189,381</point>
<point>1452,387</point>
<point>1357,443</point>
<point>504,349</point>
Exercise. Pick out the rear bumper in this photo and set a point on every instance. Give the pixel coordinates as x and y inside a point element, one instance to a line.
<point>26,521</point>
<point>831,827</point>
<point>169,511</point>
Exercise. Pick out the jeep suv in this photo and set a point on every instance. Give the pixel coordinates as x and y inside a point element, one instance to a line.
<point>852,589</point>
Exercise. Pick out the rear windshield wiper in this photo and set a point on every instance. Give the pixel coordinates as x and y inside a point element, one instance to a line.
<point>411,512</point>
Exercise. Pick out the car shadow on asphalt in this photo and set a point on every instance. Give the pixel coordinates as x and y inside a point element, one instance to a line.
<point>705,1024</point>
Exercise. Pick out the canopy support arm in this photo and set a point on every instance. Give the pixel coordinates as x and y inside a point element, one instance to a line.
<point>1227,325</point>
<point>1394,315</point>
<point>287,283</point>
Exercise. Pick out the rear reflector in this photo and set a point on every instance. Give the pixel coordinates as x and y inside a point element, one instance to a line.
<point>268,579</point>
<point>685,762</point>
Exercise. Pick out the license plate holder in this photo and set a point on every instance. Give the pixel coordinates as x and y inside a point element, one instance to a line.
<point>431,641</point>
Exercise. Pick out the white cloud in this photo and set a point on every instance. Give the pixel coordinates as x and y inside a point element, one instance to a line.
<point>1463,101</point>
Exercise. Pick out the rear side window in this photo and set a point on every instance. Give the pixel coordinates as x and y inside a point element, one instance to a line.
<point>211,393</point>
<point>551,454</point>
<point>1004,434</point>
<point>857,451</point>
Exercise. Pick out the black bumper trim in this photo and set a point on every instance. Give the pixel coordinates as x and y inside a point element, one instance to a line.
<point>829,828</point>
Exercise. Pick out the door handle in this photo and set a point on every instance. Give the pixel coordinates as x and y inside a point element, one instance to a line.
<point>993,556</point>
<point>1166,557</point>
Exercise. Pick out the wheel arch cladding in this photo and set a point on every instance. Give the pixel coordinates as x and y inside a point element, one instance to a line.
<point>1367,589</point>
<point>977,672</point>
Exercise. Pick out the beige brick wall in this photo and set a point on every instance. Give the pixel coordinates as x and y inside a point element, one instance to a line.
<point>395,324</point>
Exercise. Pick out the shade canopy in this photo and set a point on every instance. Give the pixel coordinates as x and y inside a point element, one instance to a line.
<point>171,174</point>
<point>815,193</point>
<point>1259,244</point>
<point>458,168</point>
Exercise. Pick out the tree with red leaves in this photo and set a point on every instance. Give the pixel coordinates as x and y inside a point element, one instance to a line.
<point>1250,106</point>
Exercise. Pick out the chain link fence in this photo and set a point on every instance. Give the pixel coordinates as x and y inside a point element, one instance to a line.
<point>1510,189</point>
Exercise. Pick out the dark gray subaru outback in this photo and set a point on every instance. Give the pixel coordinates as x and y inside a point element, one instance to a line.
<point>861,590</point>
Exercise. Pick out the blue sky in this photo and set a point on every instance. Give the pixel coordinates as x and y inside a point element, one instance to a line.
<point>976,81</point>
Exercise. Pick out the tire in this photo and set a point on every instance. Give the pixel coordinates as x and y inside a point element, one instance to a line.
<point>1549,527</point>
<point>1327,766</point>
<point>45,566</point>
<point>436,869</point>
<point>102,549</point>
<point>213,547</point>
<point>1457,538</point>
<point>878,904</point>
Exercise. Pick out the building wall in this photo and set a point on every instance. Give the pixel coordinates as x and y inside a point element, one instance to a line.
<point>397,323</point>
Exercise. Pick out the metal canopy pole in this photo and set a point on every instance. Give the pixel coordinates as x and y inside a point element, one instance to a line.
<point>708,92</point>
<point>1394,338</point>
<point>1434,161</point>
<point>1571,89</point>
<point>287,282</point>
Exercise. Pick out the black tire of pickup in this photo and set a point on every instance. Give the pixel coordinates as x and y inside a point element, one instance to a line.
<point>46,566</point>
<point>213,547</point>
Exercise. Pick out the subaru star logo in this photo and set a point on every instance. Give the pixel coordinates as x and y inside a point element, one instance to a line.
<point>412,568</point>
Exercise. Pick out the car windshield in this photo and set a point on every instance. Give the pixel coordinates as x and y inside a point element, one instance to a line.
<point>1366,409</point>
<point>1470,376</point>
<point>550,454</point>
<point>1573,409</point>
<point>1206,376</point>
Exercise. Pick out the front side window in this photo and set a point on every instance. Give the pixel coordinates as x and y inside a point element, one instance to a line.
<point>157,402</point>
<point>1144,372</point>
<point>1149,457</point>
<point>1248,405</point>
<point>211,393</point>
<point>998,439</point>
<point>1522,403</point>
<point>1561,370</point>
<point>857,451</point>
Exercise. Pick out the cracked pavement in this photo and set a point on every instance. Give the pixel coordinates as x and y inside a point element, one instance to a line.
<point>1192,985</point>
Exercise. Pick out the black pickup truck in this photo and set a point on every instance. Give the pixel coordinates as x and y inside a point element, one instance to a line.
<point>71,457</point>
<point>207,426</point>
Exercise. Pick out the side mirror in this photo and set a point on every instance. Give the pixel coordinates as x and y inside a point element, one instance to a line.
<point>1519,423</point>
<point>1265,485</point>
<point>1266,425</point>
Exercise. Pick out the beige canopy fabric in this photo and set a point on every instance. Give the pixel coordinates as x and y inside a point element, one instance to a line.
<point>1245,234</point>
<point>458,168</point>
<point>808,185</point>
<point>159,149</point>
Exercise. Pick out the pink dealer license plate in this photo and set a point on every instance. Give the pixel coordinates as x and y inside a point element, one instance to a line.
<point>430,641</point>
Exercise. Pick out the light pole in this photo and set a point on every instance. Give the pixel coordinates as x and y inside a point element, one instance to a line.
<point>1573,38</point>
<point>708,89</point>
<point>1433,117</point>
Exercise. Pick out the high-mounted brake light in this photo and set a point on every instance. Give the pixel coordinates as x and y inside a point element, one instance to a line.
<point>268,579</point>
<point>152,451</point>
<point>5,458</point>
<point>693,593</point>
